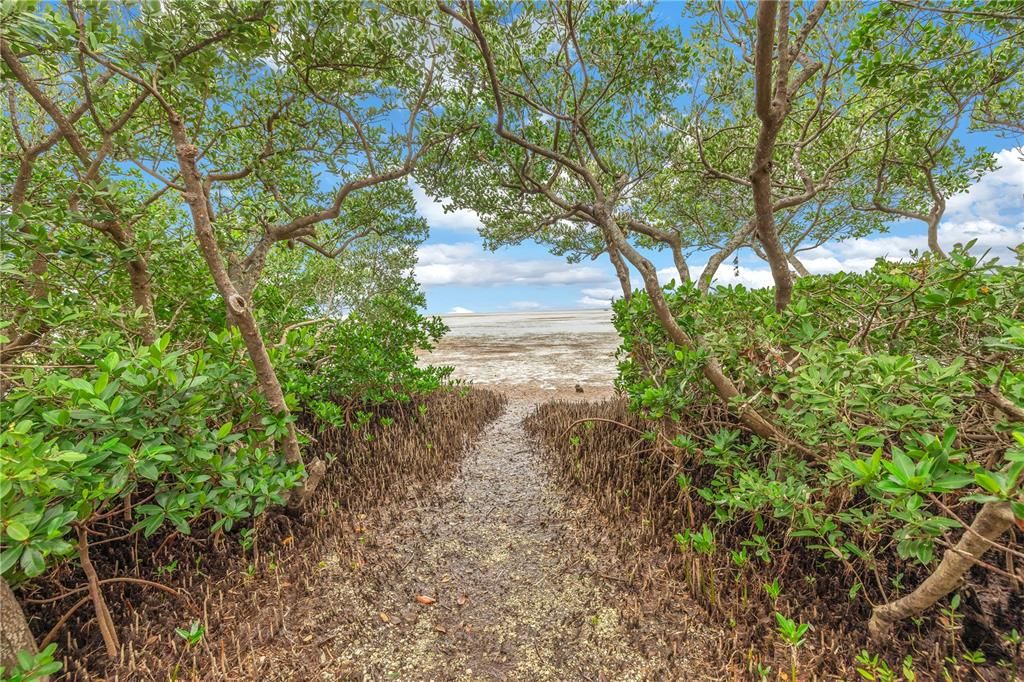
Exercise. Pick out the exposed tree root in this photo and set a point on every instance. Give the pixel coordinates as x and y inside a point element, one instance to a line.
<point>994,519</point>
<point>103,618</point>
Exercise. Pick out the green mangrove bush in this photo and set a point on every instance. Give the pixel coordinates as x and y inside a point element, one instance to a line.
<point>905,384</point>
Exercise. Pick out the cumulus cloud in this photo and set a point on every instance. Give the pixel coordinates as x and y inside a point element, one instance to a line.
<point>599,297</point>
<point>459,310</point>
<point>607,292</point>
<point>592,302</point>
<point>991,213</point>
<point>438,219</point>
<point>997,196</point>
<point>466,264</point>
<point>728,275</point>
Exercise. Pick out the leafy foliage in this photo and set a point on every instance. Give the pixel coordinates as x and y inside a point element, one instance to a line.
<point>129,387</point>
<point>880,373</point>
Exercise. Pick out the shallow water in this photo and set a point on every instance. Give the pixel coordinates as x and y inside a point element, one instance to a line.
<point>543,323</point>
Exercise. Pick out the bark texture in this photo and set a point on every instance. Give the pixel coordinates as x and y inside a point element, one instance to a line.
<point>238,306</point>
<point>15,635</point>
<point>103,618</point>
<point>994,519</point>
<point>621,271</point>
<point>772,113</point>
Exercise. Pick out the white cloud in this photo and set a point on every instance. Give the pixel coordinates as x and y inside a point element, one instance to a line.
<point>459,310</point>
<point>437,218</point>
<point>997,197</point>
<point>591,302</point>
<point>727,275</point>
<point>991,212</point>
<point>466,264</point>
<point>602,292</point>
<point>600,296</point>
<point>858,255</point>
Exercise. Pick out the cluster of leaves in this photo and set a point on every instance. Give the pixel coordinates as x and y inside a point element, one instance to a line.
<point>32,667</point>
<point>369,358</point>
<point>125,386</point>
<point>184,432</point>
<point>881,374</point>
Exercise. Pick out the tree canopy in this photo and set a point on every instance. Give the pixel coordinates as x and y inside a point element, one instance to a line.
<point>210,235</point>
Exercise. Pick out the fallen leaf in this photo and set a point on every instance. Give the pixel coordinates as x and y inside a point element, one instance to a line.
<point>425,600</point>
<point>461,601</point>
<point>440,628</point>
<point>384,617</point>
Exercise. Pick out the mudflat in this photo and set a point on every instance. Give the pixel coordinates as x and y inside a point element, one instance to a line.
<point>534,355</point>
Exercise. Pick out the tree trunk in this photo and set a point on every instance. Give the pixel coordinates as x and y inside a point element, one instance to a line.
<point>238,306</point>
<point>771,110</point>
<point>934,217</point>
<point>712,370</point>
<point>621,271</point>
<point>717,258</point>
<point>994,519</point>
<point>142,295</point>
<point>677,257</point>
<point>15,635</point>
<point>797,265</point>
<point>767,234</point>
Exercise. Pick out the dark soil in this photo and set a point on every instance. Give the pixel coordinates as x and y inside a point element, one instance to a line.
<point>631,482</point>
<point>243,599</point>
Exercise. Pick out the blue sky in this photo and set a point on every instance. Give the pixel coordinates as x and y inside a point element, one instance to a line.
<point>458,275</point>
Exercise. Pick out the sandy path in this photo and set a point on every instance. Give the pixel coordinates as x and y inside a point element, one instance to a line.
<point>519,593</point>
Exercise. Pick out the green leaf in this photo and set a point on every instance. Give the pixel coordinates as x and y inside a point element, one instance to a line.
<point>57,417</point>
<point>78,384</point>
<point>986,481</point>
<point>32,562</point>
<point>9,557</point>
<point>224,431</point>
<point>147,470</point>
<point>17,531</point>
<point>70,456</point>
